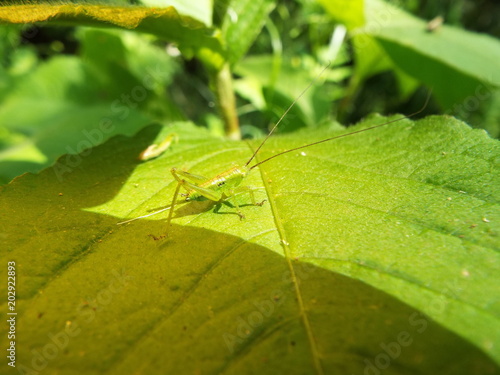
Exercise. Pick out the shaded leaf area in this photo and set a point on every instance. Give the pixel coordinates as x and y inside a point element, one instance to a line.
<point>191,35</point>
<point>364,244</point>
<point>69,104</point>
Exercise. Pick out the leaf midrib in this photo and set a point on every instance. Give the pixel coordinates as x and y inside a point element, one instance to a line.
<point>287,254</point>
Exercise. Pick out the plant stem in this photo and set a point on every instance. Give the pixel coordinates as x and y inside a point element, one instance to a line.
<point>226,101</point>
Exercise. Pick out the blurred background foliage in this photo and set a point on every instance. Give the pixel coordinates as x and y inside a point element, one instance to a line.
<point>59,83</point>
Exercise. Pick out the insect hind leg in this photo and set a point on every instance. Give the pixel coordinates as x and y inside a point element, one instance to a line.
<point>250,190</point>
<point>218,206</point>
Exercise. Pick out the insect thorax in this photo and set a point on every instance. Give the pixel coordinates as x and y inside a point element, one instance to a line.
<point>224,182</point>
<point>228,179</point>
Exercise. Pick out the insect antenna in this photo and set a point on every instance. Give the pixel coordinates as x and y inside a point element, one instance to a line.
<point>143,216</point>
<point>338,136</point>
<point>285,113</point>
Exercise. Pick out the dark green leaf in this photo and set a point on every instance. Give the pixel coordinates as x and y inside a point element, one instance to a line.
<point>455,62</point>
<point>242,22</point>
<point>191,35</point>
<point>70,104</point>
<point>388,235</point>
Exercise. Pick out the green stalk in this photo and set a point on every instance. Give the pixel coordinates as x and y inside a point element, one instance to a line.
<point>223,87</point>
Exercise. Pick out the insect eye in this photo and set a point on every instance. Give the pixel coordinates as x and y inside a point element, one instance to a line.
<point>221,183</point>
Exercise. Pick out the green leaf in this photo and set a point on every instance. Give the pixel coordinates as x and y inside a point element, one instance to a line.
<point>200,10</point>
<point>273,93</point>
<point>75,103</point>
<point>350,13</point>
<point>192,36</point>
<point>241,24</point>
<point>455,62</point>
<point>372,59</point>
<point>374,252</point>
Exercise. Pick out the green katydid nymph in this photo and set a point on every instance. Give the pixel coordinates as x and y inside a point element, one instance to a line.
<point>229,183</point>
